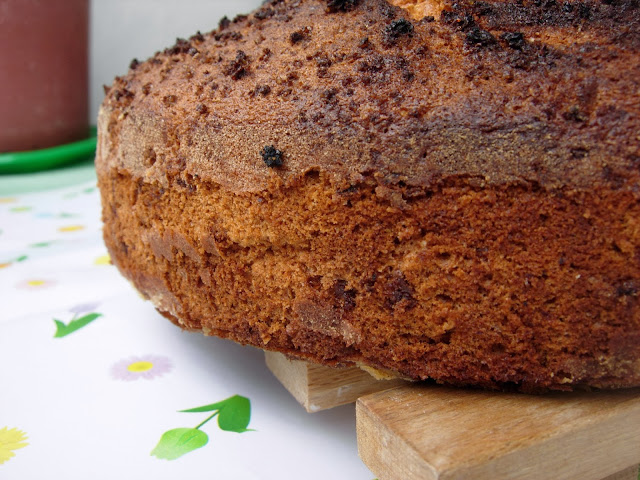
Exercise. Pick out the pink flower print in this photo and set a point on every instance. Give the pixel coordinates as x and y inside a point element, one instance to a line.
<point>35,284</point>
<point>146,366</point>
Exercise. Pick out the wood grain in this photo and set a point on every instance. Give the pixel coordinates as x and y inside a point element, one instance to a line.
<point>631,473</point>
<point>318,388</point>
<point>420,432</point>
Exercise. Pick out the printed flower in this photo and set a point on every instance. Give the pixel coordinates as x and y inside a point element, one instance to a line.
<point>36,283</point>
<point>134,368</point>
<point>88,316</point>
<point>55,215</point>
<point>84,308</point>
<point>42,244</point>
<point>21,209</point>
<point>10,440</point>
<point>71,228</point>
<point>21,258</point>
<point>103,260</point>
<point>234,415</point>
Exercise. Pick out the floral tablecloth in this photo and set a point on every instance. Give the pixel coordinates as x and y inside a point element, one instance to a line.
<point>95,384</point>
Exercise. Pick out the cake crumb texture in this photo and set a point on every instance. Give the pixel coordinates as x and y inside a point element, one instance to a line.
<point>448,191</point>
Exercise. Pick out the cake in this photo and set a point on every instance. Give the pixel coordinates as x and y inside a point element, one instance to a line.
<point>446,191</point>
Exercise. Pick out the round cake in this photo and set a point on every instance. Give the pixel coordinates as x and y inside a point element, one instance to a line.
<point>447,191</point>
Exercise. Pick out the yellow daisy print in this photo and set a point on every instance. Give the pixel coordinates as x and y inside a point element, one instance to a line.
<point>35,284</point>
<point>103,260</point>
<point>10,440</point>
<point>71,228</point>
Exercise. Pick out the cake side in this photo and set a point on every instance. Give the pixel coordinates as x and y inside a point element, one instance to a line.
<point>491,287</point>
<point>432,204</point>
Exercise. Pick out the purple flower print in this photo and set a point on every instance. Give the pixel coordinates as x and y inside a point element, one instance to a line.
<point>84,308</point>
<point>146,366</point>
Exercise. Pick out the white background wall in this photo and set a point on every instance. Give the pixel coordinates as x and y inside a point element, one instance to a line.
<point>125,29</point>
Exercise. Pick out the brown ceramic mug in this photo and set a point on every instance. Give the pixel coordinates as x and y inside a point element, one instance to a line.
<point>43,73</point>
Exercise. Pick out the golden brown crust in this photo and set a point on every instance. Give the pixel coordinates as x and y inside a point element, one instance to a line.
<point>444,198</point>
<point>557,107</point>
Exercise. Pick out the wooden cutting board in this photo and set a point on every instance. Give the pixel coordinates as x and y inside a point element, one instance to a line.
<point>412,431</point>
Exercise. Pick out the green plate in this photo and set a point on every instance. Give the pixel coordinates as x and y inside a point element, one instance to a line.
<point>47,158</point>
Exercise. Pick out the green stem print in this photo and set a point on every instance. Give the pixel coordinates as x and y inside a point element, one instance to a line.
<point>62,329</point>
<point>22,258</point>
<point>42,244</point>
<point>84,309</point>
<point>233,414</point>
<point>8,263</point>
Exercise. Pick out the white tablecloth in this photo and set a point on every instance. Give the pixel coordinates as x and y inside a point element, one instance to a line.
<point>92,377</point>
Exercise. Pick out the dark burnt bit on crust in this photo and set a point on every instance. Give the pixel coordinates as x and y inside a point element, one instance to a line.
<point>514,40</point>
<point>459,20</point>
<point>224,33</point>
<point>544,13</point>
<point>198,37</point>
<point>575,114</point>
<point>264,13</point>
<point>228,35</point>
<point>345,298</point>
<point>123,94</point>
<point>223,23</point>
<point>300,35</point>
<point>464,21</point>
<point>169,100</point>
<point>628,288</point>
<point>396,29</point>
<point>240,18</point>
<point>271,156</point>
<point>341,5</point>
<point>239,67</point>
<point>202,109</point>
<point>399,293</point>
<point>262,90</point>
<point>479,37</point>
<point>181,46</point>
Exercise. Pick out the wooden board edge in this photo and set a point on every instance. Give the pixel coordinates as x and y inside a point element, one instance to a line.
<point>385,453</point>
<point>291,374</point>
<point>599,449</point>
<point>631,473</point>
<point>318,388</point>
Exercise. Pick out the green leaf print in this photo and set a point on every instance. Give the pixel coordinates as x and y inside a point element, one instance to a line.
<point>21,209</point>
<point>179,441</point>
<point>41,244</point>
<point>234,415</point>
<point>19,259</point>
<point>62,329</point>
